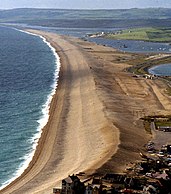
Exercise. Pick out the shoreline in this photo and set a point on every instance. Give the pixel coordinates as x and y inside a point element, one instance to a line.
<point>45,113</point>
<point>44,153</point>
<point>94,124</point>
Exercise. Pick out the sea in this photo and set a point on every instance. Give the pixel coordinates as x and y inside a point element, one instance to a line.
<point>29,68</point>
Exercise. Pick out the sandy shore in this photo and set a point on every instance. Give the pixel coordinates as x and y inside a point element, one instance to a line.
<point>94,123</point>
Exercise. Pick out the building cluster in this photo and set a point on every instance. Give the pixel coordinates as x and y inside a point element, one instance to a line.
<point>164,124</point>
<point>102,34</point>
<point>149,76</point>
<point>98,34</point>
<point>151,175</point>
<point>146,76</point>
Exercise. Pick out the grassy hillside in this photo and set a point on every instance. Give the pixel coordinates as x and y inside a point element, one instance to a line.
<point>118,14</point>
<point>146,34</point>
<point>121,18</point>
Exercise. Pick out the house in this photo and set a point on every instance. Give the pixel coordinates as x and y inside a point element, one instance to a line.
<point>95,187</point>
<point>72,185</point>
<point>88,189</point>
<point>66,186</point>
<point>77,186</point>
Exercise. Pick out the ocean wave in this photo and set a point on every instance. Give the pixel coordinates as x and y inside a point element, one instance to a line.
<point>41,121</point>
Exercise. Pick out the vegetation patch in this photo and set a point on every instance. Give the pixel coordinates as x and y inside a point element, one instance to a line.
<point>160,121</point>
<point>163,123</point>
<point>145,34</point>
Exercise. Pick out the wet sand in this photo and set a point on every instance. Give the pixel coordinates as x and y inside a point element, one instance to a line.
<point>94,123</point>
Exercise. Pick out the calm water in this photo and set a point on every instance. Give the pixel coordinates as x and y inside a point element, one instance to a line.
<point>28,68</point>
<point>161,70</point>
<point>134,46</point>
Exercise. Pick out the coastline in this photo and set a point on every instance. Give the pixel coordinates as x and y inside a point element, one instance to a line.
<point>51,134</point>
<point>94,123</point>
<point>45,113</point>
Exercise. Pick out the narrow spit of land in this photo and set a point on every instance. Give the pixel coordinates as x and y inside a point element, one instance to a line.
<point>94,123</point>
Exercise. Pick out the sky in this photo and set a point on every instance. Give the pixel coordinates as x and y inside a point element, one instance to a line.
<point>84,4</point>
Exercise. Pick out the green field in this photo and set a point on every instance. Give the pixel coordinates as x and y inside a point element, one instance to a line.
<point>163,123</point>
<point>146,34</point>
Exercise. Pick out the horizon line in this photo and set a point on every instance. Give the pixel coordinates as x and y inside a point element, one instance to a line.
<point>93,9</point>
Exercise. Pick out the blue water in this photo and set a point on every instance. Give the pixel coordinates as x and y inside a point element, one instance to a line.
<point>134,46</point>
<point>161,70</point>
<point>28,68</point>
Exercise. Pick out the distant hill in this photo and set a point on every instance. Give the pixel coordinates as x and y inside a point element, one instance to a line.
<point>29,14</point>
<point>88,18</point>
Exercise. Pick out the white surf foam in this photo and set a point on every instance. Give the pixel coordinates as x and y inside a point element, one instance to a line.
<point>42,121</point>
